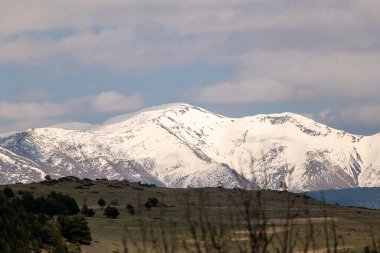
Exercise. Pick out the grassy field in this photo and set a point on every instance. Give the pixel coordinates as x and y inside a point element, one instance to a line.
<point>216,219</point>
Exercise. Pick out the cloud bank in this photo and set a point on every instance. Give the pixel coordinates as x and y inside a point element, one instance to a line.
<point>283,51</point>
<point>33,114</point>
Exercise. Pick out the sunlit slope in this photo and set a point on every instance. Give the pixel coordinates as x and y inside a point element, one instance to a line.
<point>179,145</point>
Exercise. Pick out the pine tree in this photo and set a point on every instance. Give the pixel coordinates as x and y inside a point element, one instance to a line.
<point>101,203</point>
<point>8,192</point>
<point>75,229</point>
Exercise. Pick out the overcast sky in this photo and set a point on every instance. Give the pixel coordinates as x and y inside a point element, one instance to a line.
<point>88,60</point>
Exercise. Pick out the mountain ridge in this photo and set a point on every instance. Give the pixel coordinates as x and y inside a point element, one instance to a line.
<point>180,145</point>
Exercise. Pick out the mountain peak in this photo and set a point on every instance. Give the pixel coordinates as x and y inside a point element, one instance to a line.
<point>158,108</point>
<point>180,145</point>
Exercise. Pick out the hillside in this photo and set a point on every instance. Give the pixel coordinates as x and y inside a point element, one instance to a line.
<point>230,219</point>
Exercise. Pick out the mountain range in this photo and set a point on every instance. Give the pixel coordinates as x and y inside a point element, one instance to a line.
<point>358,197</point>
<point>180,145</point>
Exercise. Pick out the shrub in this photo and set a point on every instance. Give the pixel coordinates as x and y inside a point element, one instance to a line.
<point>51,233</point>
<point>152,202</point>
<point>87,212</point>
<point>51,206</point>
<point>54,204</point>
<point>111,212</point>
<point>131,209</point>
<point>69,202</point>
<point>101,202</point>
<point>75,229</point>
<point>61,248</point>
<point>115,202</point>
<point>28,202</point>
<point>8,192</point>
<point>24,228</point>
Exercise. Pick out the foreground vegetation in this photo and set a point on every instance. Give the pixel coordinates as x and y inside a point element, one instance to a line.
<point>152,219</point>
<point>30,224</point>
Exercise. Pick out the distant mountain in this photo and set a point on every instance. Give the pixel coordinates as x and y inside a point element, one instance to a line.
<point>179,145</point>
<point>358,197</point>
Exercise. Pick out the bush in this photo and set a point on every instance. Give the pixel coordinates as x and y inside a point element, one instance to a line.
<point>69,202</point>
<point>115,202</point>
<point>131,209</point>
<point>87,212</point>
<point>75,229</point>
<point>101,202</point>
<point>8,192</point>
<point>51,206</point>
<point>111,212</point>
<point>51,233</point>
<point>24,228</point>
<point>61,248</point>
<point>152,202</point>
<point>54,204</point>
<point>18,229</point>
<point>28,202</point>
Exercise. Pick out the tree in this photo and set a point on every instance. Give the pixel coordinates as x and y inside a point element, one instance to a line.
<point>87,212</point>
<point>67,201</point>
<point>8,192</point>
<point>152,202</point>
<point>111,212</point>
<point>51,207</point>
<point>28,202</point>
<point>25,228</point>
<point>131,209</point>
<point>61,248</point>
<point>48,177</point>
<point>57,203</point>
<point>75,229</point>
<point>101,203</point>
<point>4,246</point>
<point>51,233</point>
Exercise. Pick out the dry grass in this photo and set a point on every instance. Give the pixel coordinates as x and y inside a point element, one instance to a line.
<point>218,220</point>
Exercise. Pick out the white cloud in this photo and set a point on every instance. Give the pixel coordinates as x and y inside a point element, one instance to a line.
<point>36,95</point>
<point>244,91</point>
<point>356,117</point>
<point>26,51</point>
<point>109,101</point>
<point>282,50</point>
<point>182,16</point>
<point>346,82</point>
<point>299,75</point>
<point>365,114</point>
<point>23,124</point>
<point>21,111</point>
<point>139,35</point>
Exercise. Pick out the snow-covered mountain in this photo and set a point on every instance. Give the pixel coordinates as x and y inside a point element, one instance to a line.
<point>179,145</point>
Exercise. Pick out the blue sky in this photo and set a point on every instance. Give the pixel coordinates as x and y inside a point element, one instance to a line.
<point>90,60</point>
